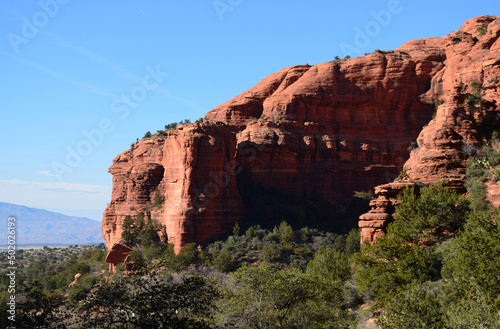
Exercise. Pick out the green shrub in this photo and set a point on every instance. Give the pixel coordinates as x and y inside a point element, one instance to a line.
<point>286,233</point>
<point>482,29</point>
<point>412,146</point>
<point>407,253</point>
<point>250,232</point>
<point>137,257</point>
<point>82,287</point>
<point>189,255</point>
<point>352,243</point>
<point>236,229</point>
<point>403,175</point>
<point>173,125</point>
<point>270,252</point>
<point>225,262</point>
<point>158,200</point>
<point>415,307</point>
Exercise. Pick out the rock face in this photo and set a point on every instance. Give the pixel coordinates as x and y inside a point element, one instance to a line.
<point>472,57</point>
<point>192,171</point>
<point>458,126</point>
<point>332,128</point>
<point>374,222</point>
<point>117,254</point>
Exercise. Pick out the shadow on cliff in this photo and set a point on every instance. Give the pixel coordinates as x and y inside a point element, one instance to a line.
<point>269,206</point>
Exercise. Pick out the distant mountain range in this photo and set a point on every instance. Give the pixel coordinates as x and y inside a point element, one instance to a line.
<point>42,227</point>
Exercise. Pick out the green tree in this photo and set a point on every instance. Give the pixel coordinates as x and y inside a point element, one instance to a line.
<point>188,255</point>
<point>286,233</point>
<point>431,215</point>
<point>134,230</point>
<point>236,229</point>
<point>139,223</point>
<point>471,268</point>
<point>225,261</point>
<point>417,306</point>
<point>270,252</point>
<point>265,297</point>
<point>352,244</point>
<point>250,233</point>
<point>149,236</point>
<point>128,234</point>
<point>40,310</point>
<point>149,301</point>
<point>473,310</point>
<point>407,253</point>
<point>330,265</point>
<point>158,200</point>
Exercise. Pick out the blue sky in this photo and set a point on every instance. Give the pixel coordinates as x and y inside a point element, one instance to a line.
<point>71,66</point>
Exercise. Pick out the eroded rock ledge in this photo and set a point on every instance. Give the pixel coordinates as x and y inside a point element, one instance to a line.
<point>333,128</point>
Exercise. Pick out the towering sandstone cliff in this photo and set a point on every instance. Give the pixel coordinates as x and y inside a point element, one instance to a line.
<point>332,128</point>
<point>472,66</point>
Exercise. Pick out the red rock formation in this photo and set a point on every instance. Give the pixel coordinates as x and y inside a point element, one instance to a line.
<point>374,222</point>
<point>193,170</point>
<point>117,254</point>
<point>77,275</point>
<point>493,194</point>
<point>333,128</point>
<point>471,56</point>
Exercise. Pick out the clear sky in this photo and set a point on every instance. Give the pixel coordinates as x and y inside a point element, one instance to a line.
<point>83,79</point>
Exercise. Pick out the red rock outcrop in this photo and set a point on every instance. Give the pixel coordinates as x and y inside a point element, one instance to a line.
<point>192,168</point>
<point>374,222</point>
<point>472,56</point>
<point>117,254</point>
<point>332,128</point>
<point>472,66</point>
<point>77,275</point>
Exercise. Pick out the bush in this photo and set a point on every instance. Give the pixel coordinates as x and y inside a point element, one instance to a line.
<point>277,298</point>
<point>225,262</point>
<point>482,29</point>
<point>407,253</point>
<point>137,257</point>
<point>149,301</point>
<point>414,307</point>
<point>364,195</point>
<point>429,216</point>
<point>469,262</point>
<point>286,233</point>
<point>188,255</point>
<point>173,125</point>
<point>352,243</point>
<point>158,200</point>
<point>271,252</point>
<point>250,233</point>
<point>82,287</point>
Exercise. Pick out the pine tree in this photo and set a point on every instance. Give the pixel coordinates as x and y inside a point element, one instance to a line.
<point>128,230</point>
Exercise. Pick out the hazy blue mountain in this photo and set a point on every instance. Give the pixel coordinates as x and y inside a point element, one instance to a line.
<point>38,226</point>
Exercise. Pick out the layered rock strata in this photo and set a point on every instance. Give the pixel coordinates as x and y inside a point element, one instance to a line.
<point>472,66</point>
<point>332,128</point>
<point>374,222</point>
